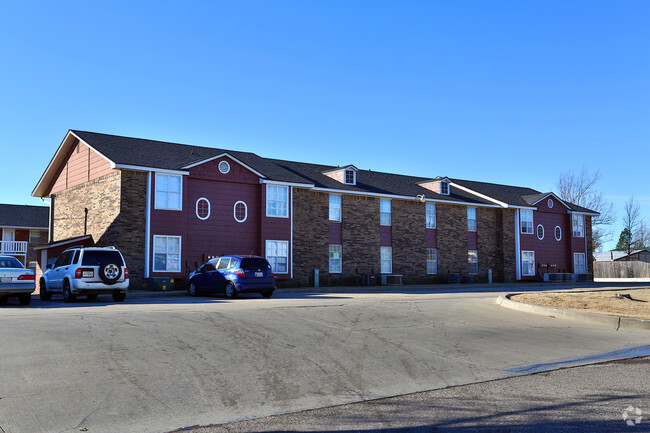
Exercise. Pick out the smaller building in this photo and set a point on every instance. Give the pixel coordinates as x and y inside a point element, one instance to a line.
<point>23,227</point>
<point>641,255</point>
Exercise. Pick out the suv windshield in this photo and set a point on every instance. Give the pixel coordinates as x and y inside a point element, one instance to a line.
<point>98,258</point>
<point>253,263</point>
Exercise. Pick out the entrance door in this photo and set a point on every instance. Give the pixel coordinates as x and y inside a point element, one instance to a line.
<point>8,239</point>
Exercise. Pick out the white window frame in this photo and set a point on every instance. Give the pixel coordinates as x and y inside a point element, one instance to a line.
<point>273,256</point>
<point>385,212</point>
<point>431,215</point>
<point>234,211</point>
<point>335,259</point>
<point>281,208</point>
<point>527,227</point>
<point>386,260</point>
<point>345,177</point>
<point>528,263</point>
<point>472,263</point>
<point>579,263</point>
<point>224,167</point>
<point>471,219</point>
<point>32,233</point>
<point>539,226</point>
<point>167,253</point>
<point>196,208</point>
<point>432,261</point>
<point>161,193</point>
<point>335,207</point>
<point>558,237</point>
<point>444,188</point>
<point>578,223</point>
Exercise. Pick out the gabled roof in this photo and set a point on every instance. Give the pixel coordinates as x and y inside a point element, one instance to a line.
<point>144,154</point>
<point>16,215</point>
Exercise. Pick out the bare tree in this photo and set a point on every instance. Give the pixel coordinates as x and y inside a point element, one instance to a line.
<point>580,189</point>
<point>631,221</point>
<point>642,236</point>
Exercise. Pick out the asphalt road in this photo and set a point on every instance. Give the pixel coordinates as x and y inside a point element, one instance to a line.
<point>158,364</point>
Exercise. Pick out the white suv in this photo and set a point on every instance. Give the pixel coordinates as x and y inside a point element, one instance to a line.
<point>88,271</point>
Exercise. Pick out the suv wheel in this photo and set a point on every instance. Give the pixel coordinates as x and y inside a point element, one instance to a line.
<point>44,294</point>
<point>231,290</point>
<point>119,296</point>
<point>110,272</point>
<point>68,296</point>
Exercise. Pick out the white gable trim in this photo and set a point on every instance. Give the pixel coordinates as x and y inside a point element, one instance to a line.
<point>150,169</point>
<point>550,194</point>
<point>227,155</point>
<point>483,196</point>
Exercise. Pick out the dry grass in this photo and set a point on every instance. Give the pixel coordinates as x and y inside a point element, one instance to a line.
<point>604,302</point>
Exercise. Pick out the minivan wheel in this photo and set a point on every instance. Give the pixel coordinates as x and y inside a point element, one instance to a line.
<point>231,290</point>
<point>191,289</point>
<point>68,296</point>
<point>267,293</point>
<point>25,298</point>
<point>44,294</point>
<point>119,296</point>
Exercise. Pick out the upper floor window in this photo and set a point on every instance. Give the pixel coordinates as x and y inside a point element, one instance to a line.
<point>558,233</point>
<point>168,191</point>
<point>471,219</point>
<point>578,225</point>
<point>444,188</point>
<point>240,211</point>
<point>203,208</point>
<point>277,201</point>
<point>350,177</point>
<point>384,212</point>
<point>335,207</point>
<point>540,232</point>
<point>527,221</point>
<point>431,215</point>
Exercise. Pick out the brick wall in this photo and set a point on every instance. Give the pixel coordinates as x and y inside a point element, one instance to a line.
<point>131,224</point>
<point>451,222</point>
<point>508,245</point>
<point>409,241</point>
<point>360,234</point>
<point>311,236</point>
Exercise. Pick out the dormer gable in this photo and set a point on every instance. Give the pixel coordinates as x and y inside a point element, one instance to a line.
<point>438,185</point>
<point>346,175</point>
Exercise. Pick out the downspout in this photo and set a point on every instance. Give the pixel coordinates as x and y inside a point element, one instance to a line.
<point>517,246</point>
<point>147,228</point>
<point>291,235</point>
<point>51,234</point>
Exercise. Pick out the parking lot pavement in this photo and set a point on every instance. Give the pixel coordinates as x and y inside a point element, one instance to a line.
<point>606,397</point>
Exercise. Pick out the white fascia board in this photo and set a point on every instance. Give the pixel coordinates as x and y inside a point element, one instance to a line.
<point>24,228</point>
<point>584,213</point>
<point>522,207</point>
<point>483,196</point>
<point>226,154</point>
<point>402,197</point>
<point>277,182</point>
<point>151,169</point>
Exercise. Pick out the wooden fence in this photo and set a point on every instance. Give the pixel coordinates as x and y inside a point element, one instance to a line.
<point>621,270</point>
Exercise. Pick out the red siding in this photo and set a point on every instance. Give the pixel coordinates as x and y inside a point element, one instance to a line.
<point>472,241</point>
<point>385,236</point>
<point>432,241</point>
<point>336,233</point>
<point>83,164</point>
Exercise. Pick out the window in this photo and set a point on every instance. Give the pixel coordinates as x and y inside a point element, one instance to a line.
<point>432,261</point>
<point>527,221</point>
<point>277,201</point>
<point>224,167</point>
<point>550,203</point>
<point>386,260</point>
<point>540,232</point>
<point>335,207</point>
<point>350,177</point>
<point>578,225</point>
<point>168,191</point>
<point>167,253</point>
<point>202,208</point>
<point>471,219</point>
<point>444,188</point>
<point>34,236</point>
<point>384,212</point>
<point>277,253</point>
<point>472,260</point>
<point>579,264</point>
<point>336,259</point>
<point>240,211</point>
<point>431,215</point>
<point>558,233</point>
<point>528,263</point>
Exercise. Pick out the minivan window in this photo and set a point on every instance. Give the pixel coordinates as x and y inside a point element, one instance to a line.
<point>224,263</point>
<point>253,263</point>
<point>98,258</point>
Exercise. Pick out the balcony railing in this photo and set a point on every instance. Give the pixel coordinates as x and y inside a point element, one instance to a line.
<point>13,247</point>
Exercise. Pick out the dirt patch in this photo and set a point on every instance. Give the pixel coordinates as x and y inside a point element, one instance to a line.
<point>604,302</point>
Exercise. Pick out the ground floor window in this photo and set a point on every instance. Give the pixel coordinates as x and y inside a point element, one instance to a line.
<point>472,260</point>
<point>166,253</point>
<point>336,259</point>
<point>528,263</point>
<point>386,260</point>
<point>432,261</point>
<point>579,264</point>
<point>277,253</point>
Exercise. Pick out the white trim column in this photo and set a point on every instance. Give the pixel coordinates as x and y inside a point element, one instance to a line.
<point>517,244</point>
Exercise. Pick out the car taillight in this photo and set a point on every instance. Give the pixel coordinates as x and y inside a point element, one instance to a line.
<point>126,274</point>
<point>77,273</point>
<point>240,272</point>
<point>26,277</point>
<point>271,275</point>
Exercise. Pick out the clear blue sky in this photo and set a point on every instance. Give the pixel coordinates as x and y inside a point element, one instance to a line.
<point>511,92</point>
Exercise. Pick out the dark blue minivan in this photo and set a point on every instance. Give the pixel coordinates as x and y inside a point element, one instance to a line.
<point>232,275</point>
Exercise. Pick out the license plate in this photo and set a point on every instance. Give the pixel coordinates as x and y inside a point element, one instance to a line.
<point>259,274</point>
<point>87,274</point>
<point>5,280</point>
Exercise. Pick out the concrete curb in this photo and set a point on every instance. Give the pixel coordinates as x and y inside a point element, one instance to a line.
<point>616,322</point>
